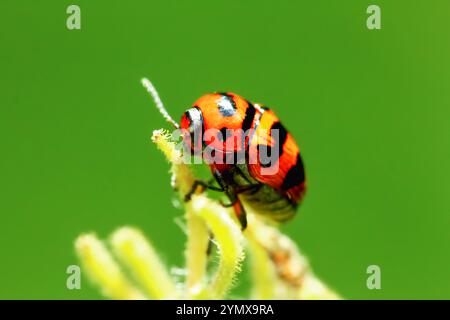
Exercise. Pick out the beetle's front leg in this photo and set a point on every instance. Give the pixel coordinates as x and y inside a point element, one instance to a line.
<point>240,213</point>
<point>206,185</point>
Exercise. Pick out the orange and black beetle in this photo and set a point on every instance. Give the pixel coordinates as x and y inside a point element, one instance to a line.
<point>271,188</point>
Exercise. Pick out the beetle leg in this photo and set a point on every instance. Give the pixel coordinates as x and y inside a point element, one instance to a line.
<point>205,186</point>
<point>251,187</point>
<point>240,213</point>
<point>235,202</point>
<point>238,209</point>
<point>227,205</point>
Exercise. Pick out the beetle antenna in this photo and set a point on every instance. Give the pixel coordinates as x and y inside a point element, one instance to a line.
<point>151,89</point>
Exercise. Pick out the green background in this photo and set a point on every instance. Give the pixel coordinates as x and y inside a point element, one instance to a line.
<point>370,110</point>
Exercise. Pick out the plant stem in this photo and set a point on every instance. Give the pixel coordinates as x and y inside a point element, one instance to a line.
<point>137,253</point>
<point>196,252</point>
<point>228,237</point>
<point>261,266</point>
<point>103,270</point>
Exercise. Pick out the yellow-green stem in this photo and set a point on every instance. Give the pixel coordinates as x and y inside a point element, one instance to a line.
<point>103,270</point>
<point>228,237</point>
<point>197,231</point>
<point>261,266</point>
<point>196,248</point>
<point>137,253</point>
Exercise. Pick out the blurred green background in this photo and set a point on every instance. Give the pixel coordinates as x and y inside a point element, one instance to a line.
<point>370,110</point>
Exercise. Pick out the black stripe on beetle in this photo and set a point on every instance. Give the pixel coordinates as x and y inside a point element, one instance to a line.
<point>276,150</point>
<point>295,175</point>
<point>225,133</point>
<point>249,117</point>
<point>282,135</point>
<point>226,104</point>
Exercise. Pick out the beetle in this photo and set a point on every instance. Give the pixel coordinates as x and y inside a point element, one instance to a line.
<point>253,158</point>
